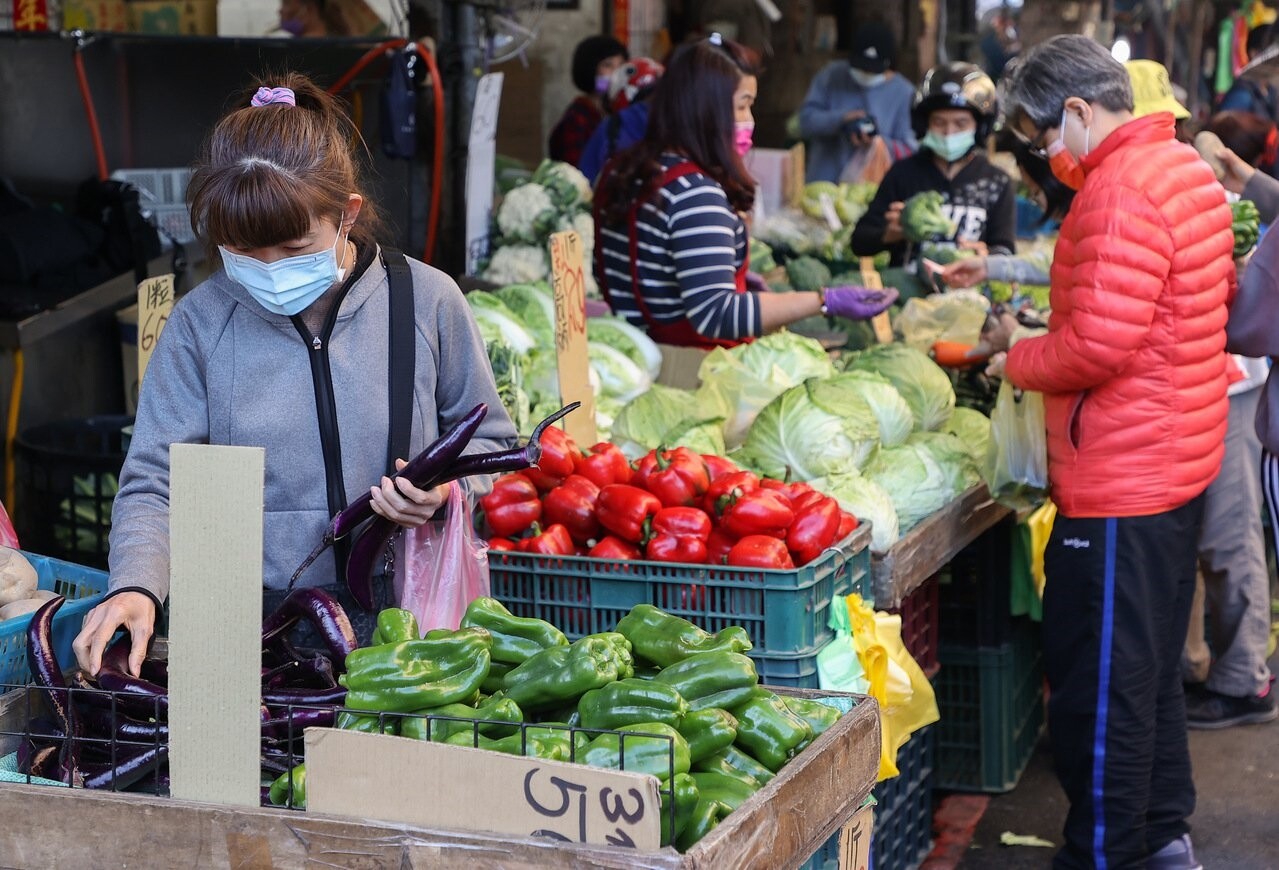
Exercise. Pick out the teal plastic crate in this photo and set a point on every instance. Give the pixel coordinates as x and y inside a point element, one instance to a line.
<point>785,612</point>
<point>83,588</point>
<point>992,712</point>
<point>798,671</point>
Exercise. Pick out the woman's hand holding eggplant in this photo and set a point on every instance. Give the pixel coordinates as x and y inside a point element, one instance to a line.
<point>134,611</point>
<point>403,503</point>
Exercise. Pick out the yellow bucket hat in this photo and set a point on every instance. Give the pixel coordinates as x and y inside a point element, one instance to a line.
<point>1152,90</point>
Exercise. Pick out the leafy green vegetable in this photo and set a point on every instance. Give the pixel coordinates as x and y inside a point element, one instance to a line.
<point>533,304</point>
<point>701,436</point>
<point>890,409</point>
<point>567,187</point>
<point>866,500</point>
<point>913,478</point>
<point>498,324</point>
<point>642,424</point>
<point>922,218</point>
<point>620,335</point>
<point>944,254</point>
<point>619,377</point>
<point>951,455</point>
<point>818,428</point>
<point>508,372</point>
<point>807,273</point>
<point>919,380</point>
<point>762,259</point>
<point>973,429</point>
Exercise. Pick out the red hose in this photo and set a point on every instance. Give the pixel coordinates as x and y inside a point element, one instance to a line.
<point>95,132</point>
<point>437,159</point>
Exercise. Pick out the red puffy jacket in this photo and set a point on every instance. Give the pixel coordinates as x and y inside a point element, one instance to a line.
<point>1133,368</point>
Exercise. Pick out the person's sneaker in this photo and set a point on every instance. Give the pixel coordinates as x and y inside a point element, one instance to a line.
<point>1209,711</point>
<point>1177,855</point>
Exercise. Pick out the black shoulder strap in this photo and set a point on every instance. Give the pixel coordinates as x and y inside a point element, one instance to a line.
<point>401,364</point>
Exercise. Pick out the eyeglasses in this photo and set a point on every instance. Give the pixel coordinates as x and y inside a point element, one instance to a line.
<point>1035,146</point>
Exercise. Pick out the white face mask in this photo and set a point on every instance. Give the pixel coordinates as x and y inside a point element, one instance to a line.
<point>287,286</point>
<point>867,80</point>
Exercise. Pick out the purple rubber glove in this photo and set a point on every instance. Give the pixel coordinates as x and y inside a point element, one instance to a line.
<point>756,283</point>
<point>857,303</point>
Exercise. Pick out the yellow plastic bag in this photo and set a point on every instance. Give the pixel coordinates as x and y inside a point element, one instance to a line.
<point>906,699</point>
<point>1041,527</point>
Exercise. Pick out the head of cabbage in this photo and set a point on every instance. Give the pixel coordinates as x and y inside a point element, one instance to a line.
<point>890,409</point>
<point>920,381</point>
<point>818,428</point>
<point>866,500</point>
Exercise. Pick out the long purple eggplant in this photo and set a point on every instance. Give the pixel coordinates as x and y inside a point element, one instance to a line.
<point>43,661</point>
<point>419,470</point>
<point>370,544</point>
<point>100,723</point>
<point>321,610</point>
<point>304,697</point>
<point>153,696</point>
<point>38,759</point>
<point>130,768</point>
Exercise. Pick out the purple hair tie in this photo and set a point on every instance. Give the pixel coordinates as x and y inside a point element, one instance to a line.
<point>269,96</point>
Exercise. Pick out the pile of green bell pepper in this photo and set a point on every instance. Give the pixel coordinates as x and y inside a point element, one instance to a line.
<point>416,674</point>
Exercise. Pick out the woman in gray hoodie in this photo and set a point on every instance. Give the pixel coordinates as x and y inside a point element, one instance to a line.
<point>287,348</point>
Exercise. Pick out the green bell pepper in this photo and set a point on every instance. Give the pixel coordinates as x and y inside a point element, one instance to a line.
<point>568,741</point>
<point>712,679</point>
<point>515,639</point>
<point>707,732</point>
<point>621,650</point>
<point>665,639</point>
<point>417,674</point>
<point>516,744</point>
<point>498,709</point>
<point>395,625</point>
<point>366,723</point>
<point>279,793</point>
<point>734,762</point>
<point>721,787</point>
<point>684,789</point>
<point>629,701</point>
<point>819,716</point>
<point>704,818</point>
<point>651,755</point>
<point>497,671</point>
<point>770,732</point>
<point>560,675</point>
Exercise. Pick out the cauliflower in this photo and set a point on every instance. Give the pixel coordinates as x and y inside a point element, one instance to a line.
<point>584,225</point>
<point>526,213</point>
<point>566,185</point>
<point>517,264</point>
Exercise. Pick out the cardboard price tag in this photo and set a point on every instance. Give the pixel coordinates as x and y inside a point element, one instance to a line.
<point>155,302</point>
<point>399,780</point>
<point>568,281</point>
<point>880,323</point>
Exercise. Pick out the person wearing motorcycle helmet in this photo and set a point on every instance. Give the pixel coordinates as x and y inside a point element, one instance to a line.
<point>954,111</point>
<point>628,91</point>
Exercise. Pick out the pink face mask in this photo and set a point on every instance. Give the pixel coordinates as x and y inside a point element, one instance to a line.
<point>743,136</point>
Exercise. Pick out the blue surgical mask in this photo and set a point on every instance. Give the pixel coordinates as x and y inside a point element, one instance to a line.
<point>289,285</point>
<point>950,148</point>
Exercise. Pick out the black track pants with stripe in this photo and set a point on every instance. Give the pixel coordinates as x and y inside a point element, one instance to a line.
<point>1116,608</point>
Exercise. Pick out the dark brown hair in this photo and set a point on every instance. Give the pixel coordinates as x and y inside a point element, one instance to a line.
<point>690,113</point>
<point>1246,134</point>
<point>267,171</point>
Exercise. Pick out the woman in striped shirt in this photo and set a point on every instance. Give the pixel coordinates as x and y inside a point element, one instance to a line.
<point>671,245</point>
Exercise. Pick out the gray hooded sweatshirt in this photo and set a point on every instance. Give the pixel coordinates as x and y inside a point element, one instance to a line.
<point>227,371</point>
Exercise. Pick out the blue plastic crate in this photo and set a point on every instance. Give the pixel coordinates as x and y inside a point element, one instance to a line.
<point>83,588</point>
<point>785,612</point>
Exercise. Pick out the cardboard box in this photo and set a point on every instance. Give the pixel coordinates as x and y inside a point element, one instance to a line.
<point>780,173</point>
<point>174,17</point>
<point>99,15</point>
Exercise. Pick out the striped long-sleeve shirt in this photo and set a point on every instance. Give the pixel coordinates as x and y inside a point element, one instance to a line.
<point>691,244</point>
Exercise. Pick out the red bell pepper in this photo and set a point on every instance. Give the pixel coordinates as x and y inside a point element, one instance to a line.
<point>626,511</point>
<point>718,466</point>
<point>814,530</point>
<point>726,488</point>
<point>497,544</point>
<point>760,551</point>
<point>612,547</point>
<point>847,525</point>
<point>801,501</point>
<point>512,506</point>
<point>572,505</point>
<point>605,464</point>
<point>677,477</point>
<point>679,535</point>
<point>798,490</point>
<point>554,540</point>
<point>773,485</point>
<point>757,513</point>
<point>556,462</point>
<point>718,545</point>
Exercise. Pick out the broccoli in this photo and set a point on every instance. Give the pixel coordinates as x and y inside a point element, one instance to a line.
<point>882,261</point>
<point>1246,224</point>
<point>761,257</point>
<point>944,254</point>
<point>811,202</point>
<point>807,273</point>
<point>922,218</point>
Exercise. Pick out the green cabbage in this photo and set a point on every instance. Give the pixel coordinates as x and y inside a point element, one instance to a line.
<point>914,479</point>
<point>866,500</point>
<point>700,436</point>
<point>740,381</point>
<point>973,428</point>
<point>953,457</point>
<point>813,430</point>
<point>890,409</point>
<point>642,425</point>
<point>618,377</point>
<point>499,324</point>
<point>635,343</point>
<point>921,382</point>
<point>534,305</point>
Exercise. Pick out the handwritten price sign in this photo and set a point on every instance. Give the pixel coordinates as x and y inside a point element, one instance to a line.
<point>584,810</point>
<point>155,301</point>
<point>568,281</point>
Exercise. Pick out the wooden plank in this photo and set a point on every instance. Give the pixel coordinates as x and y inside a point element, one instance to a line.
<point>927,548</point>
<point>783,824</point>
<point>215,622</point>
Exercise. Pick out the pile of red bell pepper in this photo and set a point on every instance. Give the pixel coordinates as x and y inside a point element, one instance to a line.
<point>670,506</point>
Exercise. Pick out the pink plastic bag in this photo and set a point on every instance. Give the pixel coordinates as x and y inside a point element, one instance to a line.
<point>445,566</point>
<point>8,537</point>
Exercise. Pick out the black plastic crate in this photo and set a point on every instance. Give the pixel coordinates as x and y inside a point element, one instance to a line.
<point>975,591</point>
<point>67,475</point>
<point>903,833</point>
<point>992,711</point>
<point>919,613</point>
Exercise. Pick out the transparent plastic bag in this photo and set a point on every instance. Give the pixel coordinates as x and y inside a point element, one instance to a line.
<point>445,566</point>
<point>869,163</point>
<point>1016,469</point>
